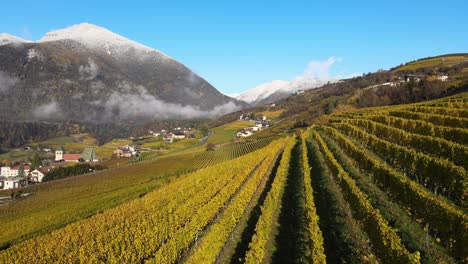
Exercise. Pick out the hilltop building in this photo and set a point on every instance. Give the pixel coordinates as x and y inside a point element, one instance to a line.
<point>88,155</point>
<point>125,152</point>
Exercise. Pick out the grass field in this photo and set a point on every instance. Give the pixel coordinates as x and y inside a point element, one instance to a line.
<point>227,132</point>
<point>61,140</point>
<point>73,143</point>
<point>106,150</point>
<point>272,114</point>
<point>16,156</point>
<point>442,61</point>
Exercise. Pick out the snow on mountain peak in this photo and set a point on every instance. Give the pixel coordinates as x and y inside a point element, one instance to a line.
<point>96,37</point>
<point>285,88</point>
<point>6,39</point>
<point>87,34</point>
<point>262,91</point>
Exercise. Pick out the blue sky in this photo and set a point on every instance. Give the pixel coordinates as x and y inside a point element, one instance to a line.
<point>237,45</point>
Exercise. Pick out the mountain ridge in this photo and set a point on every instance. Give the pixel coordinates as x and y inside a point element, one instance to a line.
<point>88,72</point>
<point>279,89</point>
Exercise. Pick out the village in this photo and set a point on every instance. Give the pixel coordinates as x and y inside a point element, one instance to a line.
<point>22,174</point>
<point>260,122</point>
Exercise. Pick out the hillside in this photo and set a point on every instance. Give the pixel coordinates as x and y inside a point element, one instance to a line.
<point>417,81</point>
<point>384,184</point>
<point>86,73</point>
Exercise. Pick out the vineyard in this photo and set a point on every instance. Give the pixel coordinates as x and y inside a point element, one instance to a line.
<point>371,185</point>
<point>66,201</point>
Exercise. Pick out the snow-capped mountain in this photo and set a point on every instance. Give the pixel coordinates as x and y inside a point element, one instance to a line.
<point>96,37</point>
<point>279,89</point>
<point>6,39</point>
<point>86,72</point>
<point>263,91</point>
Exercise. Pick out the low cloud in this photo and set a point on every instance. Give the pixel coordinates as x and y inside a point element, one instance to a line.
<point>89,71</point>
<point>126,101</point>
<point>48,110</point>
<point>134,101</point>
<point>7,82</point>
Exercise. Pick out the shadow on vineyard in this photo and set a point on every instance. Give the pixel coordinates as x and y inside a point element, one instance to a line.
<point>413,236</point>
<point>291,235</point>
<point>243,245</point>
<point>336,223</point>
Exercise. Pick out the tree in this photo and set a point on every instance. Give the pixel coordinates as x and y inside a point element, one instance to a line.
<point>210,146</point>
<point>204,129</point>
<point>21,172</point>
<point>36,161</point>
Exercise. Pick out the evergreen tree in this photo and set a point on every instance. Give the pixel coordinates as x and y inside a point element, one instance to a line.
<point>36,161</point>
<point>21,172</point>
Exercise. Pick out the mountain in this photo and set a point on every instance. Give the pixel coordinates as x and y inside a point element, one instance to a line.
<point>10,39</point>
<point>88,73</point>
<point>279,89</point>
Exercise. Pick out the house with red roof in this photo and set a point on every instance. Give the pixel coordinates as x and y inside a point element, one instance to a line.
<point>39,173</point>
<point>88,155</point>
<point>12,172</point>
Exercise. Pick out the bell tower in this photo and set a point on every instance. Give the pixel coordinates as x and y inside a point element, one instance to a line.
<point>58,155</point>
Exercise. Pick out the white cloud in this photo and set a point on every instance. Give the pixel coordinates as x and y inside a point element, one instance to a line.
<point>135,101</point>
<point>319,69</point>
<point>315,75</point>
<point>88,72</point>
<point>48,110</point>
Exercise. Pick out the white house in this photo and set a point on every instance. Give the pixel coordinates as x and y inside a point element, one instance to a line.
<point>443,78</point>
<point>5,171</point>
<point>168,138</point>
<point>132,150</point>
<point>11,183</point>
<point>12,172</point>
<point>178,135</point>
<point>38,174</point>
<point>244,133</point>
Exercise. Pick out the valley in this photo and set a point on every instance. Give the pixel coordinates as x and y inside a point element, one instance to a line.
<point>233,132</point>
